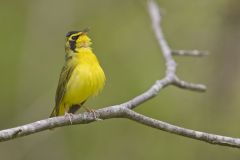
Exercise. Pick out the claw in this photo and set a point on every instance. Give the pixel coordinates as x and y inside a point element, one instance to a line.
<point>69,116</point>
<point>93,112</point>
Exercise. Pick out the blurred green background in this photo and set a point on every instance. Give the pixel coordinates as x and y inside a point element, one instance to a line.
<point>32,54</point>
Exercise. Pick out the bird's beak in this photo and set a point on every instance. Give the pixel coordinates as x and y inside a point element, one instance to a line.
<point>85,31</point>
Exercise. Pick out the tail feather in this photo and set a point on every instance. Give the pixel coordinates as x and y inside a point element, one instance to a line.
<point>53,114</point>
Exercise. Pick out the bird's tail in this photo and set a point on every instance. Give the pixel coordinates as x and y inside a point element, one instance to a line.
<point>53,114</point>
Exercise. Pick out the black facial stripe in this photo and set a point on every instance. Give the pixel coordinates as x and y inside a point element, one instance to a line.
<point>72,45</point>
<point>75,37</point>
<point>70,33</point>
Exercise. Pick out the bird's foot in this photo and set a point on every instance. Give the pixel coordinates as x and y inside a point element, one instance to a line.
<point>69,116</point>
<point>90,110</point>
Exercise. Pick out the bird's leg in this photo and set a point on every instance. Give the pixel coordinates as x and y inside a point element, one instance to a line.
<point>93,112</point>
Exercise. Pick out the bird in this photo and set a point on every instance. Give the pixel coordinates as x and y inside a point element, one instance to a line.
<point>81,77</point>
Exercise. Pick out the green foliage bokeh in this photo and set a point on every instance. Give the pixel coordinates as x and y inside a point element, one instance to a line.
<point>32,53</point>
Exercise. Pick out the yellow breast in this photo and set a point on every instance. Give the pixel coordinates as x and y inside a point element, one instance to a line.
<point>87,78</point>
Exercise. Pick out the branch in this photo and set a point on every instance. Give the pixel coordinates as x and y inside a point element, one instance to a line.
<point>125,110</point>
<point>189,53</point>
<point>118,111</point>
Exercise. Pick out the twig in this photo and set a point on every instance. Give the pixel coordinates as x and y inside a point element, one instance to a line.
<point>189,53</point>
<point>125,110</point>
<point>190,86</point>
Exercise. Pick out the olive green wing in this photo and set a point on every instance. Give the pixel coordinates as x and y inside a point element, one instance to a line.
<point>62,85</point>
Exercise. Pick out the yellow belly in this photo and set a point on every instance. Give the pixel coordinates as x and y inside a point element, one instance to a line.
<point>86,80</point>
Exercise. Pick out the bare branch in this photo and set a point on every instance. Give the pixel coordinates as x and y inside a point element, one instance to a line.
<point>50,123</point>
<point>189,53</point>
<point>190,86</point>
<point>125,110</point>
<point>154,13</point>
<point>150,93</point>
<point>202,136</point>
<point>118,111</point>
<point>170,63</point>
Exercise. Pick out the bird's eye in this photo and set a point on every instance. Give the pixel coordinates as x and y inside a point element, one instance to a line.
<point>75,37</point>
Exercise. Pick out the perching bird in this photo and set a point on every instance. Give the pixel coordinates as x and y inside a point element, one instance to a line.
<point>81,76</point>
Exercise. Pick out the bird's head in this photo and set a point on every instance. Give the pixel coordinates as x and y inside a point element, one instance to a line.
<point>77,39</point>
